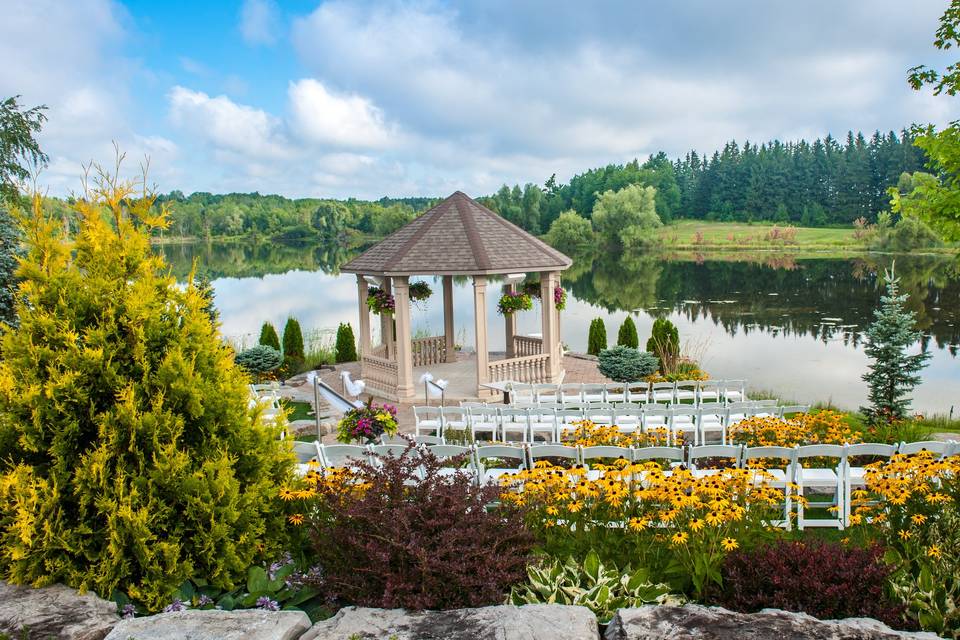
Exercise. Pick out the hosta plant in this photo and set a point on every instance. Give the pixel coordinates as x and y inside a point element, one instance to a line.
<point>601,588</point>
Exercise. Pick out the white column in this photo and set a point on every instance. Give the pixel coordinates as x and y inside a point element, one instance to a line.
<point>510,323</point>
<point>401,294</point>
<point>386,323</point>
<point>551,328</point>
<point>480,319</point>
<point>448,330</point>
<point>364,317</point>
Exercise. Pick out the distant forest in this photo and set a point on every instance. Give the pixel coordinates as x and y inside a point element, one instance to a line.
<point>823,183</point>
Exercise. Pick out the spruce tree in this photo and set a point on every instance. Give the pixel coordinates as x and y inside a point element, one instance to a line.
<point>129,457</point>
<point>346,344</point>
<point>293,358</point>
<point>597,337</point>
<point>627,336</point>
<point>269,337</point>
<point>205,289</point>
<point>9,250</point>
<point>893,373</point>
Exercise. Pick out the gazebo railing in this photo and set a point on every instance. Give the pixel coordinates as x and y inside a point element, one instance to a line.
<point>381,375</point>
<point>430,350</point>
<point>379,351</point>
<point>527,346</point>
<point>532,369</point>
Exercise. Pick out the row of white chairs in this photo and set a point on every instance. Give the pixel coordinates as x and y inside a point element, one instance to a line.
<point>795,474</point>
<point>267,397</point>
<point>695,391</point>
<point>529,423</point>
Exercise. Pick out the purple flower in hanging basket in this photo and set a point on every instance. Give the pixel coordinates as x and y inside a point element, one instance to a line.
<point>559,297</point>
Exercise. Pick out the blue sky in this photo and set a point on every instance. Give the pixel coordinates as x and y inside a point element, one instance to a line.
<point>422,98</point>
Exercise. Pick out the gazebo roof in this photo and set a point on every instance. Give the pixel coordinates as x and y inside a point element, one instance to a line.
<point>459,236</point>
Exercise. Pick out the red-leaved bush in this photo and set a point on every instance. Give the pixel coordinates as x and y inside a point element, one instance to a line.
<point>826,580</point>
<point>415,538</point>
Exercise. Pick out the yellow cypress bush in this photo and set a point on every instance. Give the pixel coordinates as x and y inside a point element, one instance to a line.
<point>129,458</point>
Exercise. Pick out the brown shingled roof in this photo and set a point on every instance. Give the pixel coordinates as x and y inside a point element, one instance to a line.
<point>459,236</point>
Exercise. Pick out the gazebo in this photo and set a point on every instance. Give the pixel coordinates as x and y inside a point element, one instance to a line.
<point>457,237</point>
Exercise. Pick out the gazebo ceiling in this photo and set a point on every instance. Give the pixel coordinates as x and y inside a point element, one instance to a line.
<point>459,236</point>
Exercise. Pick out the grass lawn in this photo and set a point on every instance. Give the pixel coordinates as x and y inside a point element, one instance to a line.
<point>740,235</point>
<point>298,410</point>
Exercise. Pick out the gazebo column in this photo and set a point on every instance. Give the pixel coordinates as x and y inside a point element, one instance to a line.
<point>510,323</point>
<point>480,318</point>
<point>364,317</point>
<point>403,346</point>
<point>386,323</point>
<point>448,330</point>
<point>551,324</point>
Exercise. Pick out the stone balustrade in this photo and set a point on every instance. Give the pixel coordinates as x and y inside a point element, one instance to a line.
<point>527,346</point>
<point>429,350</point>
<point>532,369</point>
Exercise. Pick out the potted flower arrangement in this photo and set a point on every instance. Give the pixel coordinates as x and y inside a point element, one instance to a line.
<point>559,297</point>
<point>380,302</point>
<point>420,290</point>
<point>367,423</point>
<point>513,301</point>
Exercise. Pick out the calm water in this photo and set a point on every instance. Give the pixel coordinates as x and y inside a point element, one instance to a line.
<point>793,326</point>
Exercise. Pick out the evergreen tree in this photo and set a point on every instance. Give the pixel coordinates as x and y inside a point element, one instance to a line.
<point>893,373</point>
<point>129,458</point>
<point>293,358</point>
<point>205,289</point>
<point>9,250</point>
<point>597,337</point>
<point>269,337</point>
<point>346,350</point>
<point>627,335</point>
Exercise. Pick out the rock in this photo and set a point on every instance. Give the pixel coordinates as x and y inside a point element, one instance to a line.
<point>55,613</point>
<point>212,624</point>
<point>505,622</point>
<point>713,623</point>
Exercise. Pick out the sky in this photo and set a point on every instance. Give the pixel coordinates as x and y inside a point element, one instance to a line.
<point>371,99</point>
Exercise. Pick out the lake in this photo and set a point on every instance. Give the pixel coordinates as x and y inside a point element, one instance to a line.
<point>789,325</point>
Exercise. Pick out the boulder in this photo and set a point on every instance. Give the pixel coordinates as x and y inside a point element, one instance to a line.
<point>505,622</point>
<point>54,613</point>
<point>714,623</point>
<point>212,624</point>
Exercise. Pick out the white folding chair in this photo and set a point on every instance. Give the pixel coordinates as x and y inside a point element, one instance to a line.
<point>521,393</point>
<point>672,456</point>
<point>712,419</point>
<point>445,452</point>
<point>599,413</point>
<point>763,408</point>
<point>543,421</point>
<point>483,420</point>
<point>734,390</point>
<point>496,454</point>
<point>343,455</point>
<point>454,419</point>
<point>683,420</point>
<point>428,421</point>
<point>514,421</point>
<point>820,479</point>
<point>603,452</point>
<point>571,393</point>
<point>546,393</point>
<point>426,440</point>
<point>778,477</point>
<point>686,390</point>
<point>937,447</point>
<point>662,392</point>
<point>855,474</point>
<point>638,392</point>
<point>654,417</point>
<point>551,451</point>
<point>308,456</point>
<point>709,391</point>
<point>788,411</point>
<point>705,451</point>
<point>627,417</point>
<point>615,392</point>
<point>737,411</point>
<point>594,393</point>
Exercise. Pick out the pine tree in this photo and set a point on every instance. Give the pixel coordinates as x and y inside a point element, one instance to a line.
<point>893,373</point>
<point>597,337</point>
<point>129,458</point>
<point>205,289</point>
<point>627,336</point>
<point>346,344</point>
<point>9,250</point>
<point>269,337</point>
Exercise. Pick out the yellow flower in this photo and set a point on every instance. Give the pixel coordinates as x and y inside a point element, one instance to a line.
<point>729,544</point>
<point>714,518</point>
<point>287,494</point>
<point>296,518</point>
<point>638,524</point>
<point>696,524</point>
<point>575,506</point>
<point>918,518</point>
<point>679,538</point>
<point>905,535</point>
<point>934,552</point>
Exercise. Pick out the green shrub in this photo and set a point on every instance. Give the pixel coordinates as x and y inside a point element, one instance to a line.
<point>346,343</point>
<point>293,360</point>
<point>664,342</point>
<point>602,589</point>
<point>624,364</point>
<point>627,336</point>
<point>129,458</point>
<point>259,360</point>
<point>597,337</point>
<point>269,337</point>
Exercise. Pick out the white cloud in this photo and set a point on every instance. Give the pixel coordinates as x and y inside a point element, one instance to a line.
<point>338,120</point>
<point>259,22</point>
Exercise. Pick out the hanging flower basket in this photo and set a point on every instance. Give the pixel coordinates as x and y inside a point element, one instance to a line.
<point>514,301</point>
<point>367,423</point>
<point>532,289</point>
<point>420,291</point>
<point>380,302</point>
<point>559,297</point>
